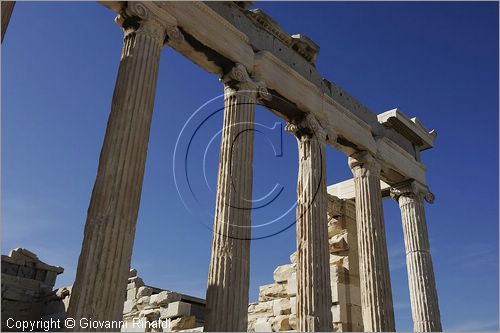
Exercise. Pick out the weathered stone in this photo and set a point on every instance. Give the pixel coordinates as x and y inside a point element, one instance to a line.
<point>338,243</point>
<point>229,271</point>
<point>281,307</point>
<point>132,273</point>
<point>182,323</point>
<point>313,277</point>
<point>272,291</point>
<point>293,258</point>
<point>142,302</point>
<point>375,280</point>
<point>135,282</point>
<point>291,285</point>
<point>292,321</point>
<point>263,325</point>
<point>283,273</point>
<point>178,309</point>
<point>261,309</point>
<point>144,291</point>
<point>131,293</point>
<point>421,280</point>
<point>104,262</point>
<point>293,305</point>
<point>280,323</point>
<point>165,297</point>
<point>129,306</point>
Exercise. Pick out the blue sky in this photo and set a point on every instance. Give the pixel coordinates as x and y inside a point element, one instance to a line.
<point>436,61</point>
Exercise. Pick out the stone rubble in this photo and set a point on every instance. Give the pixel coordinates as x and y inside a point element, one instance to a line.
<point>27,288</point>
<point>276,310</point>
<point>177,312</point>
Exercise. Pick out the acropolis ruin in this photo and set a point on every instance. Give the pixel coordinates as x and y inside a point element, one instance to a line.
<point>337,280</point>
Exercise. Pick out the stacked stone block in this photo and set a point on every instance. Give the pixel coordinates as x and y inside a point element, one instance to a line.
<point>27,288</point>
<point>276,309</point>
<point>176,311</point>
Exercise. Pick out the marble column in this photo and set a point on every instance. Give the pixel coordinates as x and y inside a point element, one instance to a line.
<point>7,7</point>
<point>423,295</point>
<point>314,298</point>
<point>375,282</point>
<point>229,272</point>
<point>104,263</point>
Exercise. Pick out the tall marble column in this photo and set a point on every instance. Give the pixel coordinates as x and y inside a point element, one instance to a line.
<point>104,263</point>
<point>375,282</point>
<point>229,272</point>
<point>314,298</point>
<point>7,7</point>
<point>423,295</point>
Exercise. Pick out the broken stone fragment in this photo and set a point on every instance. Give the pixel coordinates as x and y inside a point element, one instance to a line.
<point>144,291</point>
<point>129,306</point>
<point>142,302</point>
<point>178,309</point>
<point>293,258</point>
<point>262,309</point>
<point>272,291</point>
<point>283,273</point>
<point>281,323</point>
<point>263,325</point>
<point>183,323</point>
<point>292,321</point>
<point>131,293</point>
<point>164,298</point>
<point>281,307</point>
<point>338,243</point>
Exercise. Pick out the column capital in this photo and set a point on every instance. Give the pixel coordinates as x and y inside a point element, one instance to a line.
<point>365,163</point>
<point>239,78</point>
<point>412,188</point>
<point>308,127</point>
<point>149,19</point>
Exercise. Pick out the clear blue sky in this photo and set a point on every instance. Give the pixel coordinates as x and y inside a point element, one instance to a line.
<point>436,61</point>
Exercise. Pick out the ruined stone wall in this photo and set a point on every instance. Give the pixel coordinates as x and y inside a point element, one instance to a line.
<point>27,292</point>
<point>175,311</point>
<point>276,309</point>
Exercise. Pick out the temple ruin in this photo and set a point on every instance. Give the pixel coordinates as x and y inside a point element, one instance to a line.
<point>338,279</point>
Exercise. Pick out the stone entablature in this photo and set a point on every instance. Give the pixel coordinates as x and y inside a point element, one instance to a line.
<point>218,35</point>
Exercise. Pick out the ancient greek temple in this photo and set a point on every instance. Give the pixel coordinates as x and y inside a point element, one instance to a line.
<point>258,63</point>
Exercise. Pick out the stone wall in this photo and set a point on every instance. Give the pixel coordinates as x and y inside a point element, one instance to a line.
<point>27,292</point>
<point>175,311</point>
<point>276,309</point>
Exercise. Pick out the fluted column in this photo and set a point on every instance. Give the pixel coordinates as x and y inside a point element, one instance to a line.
<point>314,298</point>
<point>375,283</point>
<point>423,295</point>
<point>229,272</point>
<point>7,7</point>
<point>104,263</point>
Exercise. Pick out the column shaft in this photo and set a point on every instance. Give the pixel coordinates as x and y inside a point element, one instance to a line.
<point>314,298</point>
<point>375,283</point>
<point>7,8</point>
<point>421,281</point>
<point>229,271</point>
<point>103,266</point>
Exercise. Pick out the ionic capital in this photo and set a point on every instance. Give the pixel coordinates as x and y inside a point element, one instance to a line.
<point>148,19</point>
<point>363,163</point>
<point>308,127</point>
<point>412,188</point>
<point>239,78</point>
